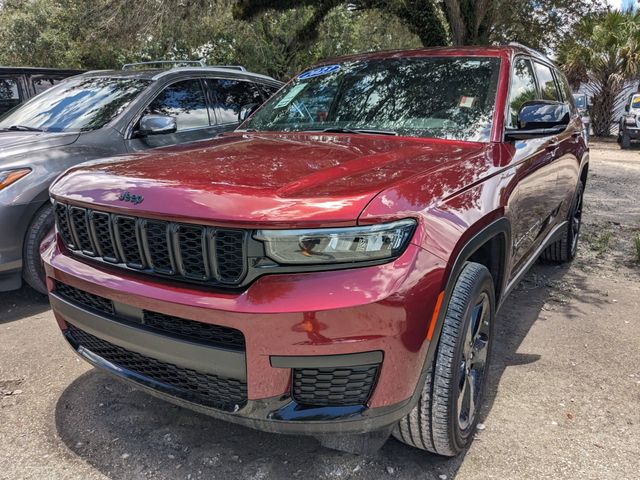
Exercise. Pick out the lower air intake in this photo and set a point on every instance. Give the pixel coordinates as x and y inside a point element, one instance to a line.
<point>335,386</point>
<point>205,389</point>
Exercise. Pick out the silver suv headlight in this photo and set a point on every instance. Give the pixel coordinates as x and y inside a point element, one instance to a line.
<point>337,245</point>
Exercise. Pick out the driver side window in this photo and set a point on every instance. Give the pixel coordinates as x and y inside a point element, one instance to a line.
<point>523,89</point>
<point>185,102</point>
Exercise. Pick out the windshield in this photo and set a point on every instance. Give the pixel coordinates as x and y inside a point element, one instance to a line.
<point>635,102</point>
<point>442,97</point>
<point>77,104</point>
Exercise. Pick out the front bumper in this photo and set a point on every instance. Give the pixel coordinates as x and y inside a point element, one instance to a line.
<point>341,319</point>
<point>632,132</point>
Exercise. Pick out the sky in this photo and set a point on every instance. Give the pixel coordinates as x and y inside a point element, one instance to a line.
<point>619,4</point>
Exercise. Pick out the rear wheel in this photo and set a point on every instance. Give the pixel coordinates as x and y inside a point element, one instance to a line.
<point>564,250</point>
<point>32,268</point>
<point>446,415</point>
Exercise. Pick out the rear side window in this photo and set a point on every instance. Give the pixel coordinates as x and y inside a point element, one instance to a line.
<point>9,94</point>
<point>523,88</point>
<point>41,83</point>
<point>547,83</point>
<point>8,90</point>
<point>185,101</point>
<point>269,90</point>
<point>566,91</point>
<point>231,96</point>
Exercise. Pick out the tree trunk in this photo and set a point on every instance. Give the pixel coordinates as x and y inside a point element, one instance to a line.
<point>605,95</point>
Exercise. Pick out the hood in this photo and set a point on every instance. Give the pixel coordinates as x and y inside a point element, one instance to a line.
<point>13,144</point>
<point>260,179</point>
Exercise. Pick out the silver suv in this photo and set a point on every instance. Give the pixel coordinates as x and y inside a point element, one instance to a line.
<point>99,114</point>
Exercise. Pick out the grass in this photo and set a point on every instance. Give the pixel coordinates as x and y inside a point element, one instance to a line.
<point>636,241</point>
<point>602,243</point>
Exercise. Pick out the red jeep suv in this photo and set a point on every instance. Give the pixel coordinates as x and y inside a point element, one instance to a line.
<point>334,267</point>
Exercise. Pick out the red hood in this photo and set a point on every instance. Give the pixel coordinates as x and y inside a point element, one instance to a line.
<point>259,179</point>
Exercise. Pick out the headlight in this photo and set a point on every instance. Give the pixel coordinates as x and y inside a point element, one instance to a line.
<point>7,177</point>
<point>337,245</point>
<point>630,120</point>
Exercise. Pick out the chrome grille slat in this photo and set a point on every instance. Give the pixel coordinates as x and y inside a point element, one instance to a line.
<point>189,252</point>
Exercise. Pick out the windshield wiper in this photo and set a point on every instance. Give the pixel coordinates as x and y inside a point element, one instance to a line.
<point>22,128</point>
<point>365,131</point>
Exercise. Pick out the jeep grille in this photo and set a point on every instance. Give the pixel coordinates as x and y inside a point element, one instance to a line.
<point>194,253</point>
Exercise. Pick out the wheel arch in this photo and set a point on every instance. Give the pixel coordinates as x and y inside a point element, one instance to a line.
<point>478,246</point>
<point>584,172</point>
<point>489,246</point>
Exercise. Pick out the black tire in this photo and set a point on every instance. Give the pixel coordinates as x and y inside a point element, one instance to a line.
<point>437,423</point>
<point>565,249</point>
<point>625,141</point>
<point>32,268</point>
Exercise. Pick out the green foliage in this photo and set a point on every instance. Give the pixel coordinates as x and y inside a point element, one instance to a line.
<point>537,23</point>
<point>636,241</point>
<point>108,33</point>
<point>603,53</point>
<point>277,37</point>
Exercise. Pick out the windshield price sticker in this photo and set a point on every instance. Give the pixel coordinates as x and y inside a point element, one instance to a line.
<point>467,102</point>
<point>286,100</point>
<point>316,72</point>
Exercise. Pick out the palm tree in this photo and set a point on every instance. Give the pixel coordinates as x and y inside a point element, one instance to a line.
<point>603,54</point>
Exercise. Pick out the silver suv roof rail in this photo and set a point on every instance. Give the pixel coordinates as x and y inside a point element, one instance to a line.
<point>175,63</point>
<point>229,67</point>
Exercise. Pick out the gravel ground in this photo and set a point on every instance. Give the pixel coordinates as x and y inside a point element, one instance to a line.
<point>564,395</point>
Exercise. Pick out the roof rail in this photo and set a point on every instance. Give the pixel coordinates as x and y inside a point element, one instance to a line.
<point>175,63</point>
<point>229,67</point>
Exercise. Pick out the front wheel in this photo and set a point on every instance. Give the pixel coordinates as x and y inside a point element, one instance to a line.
<point>447,412</point>
<point>32,268</point>
<point>625,141</point>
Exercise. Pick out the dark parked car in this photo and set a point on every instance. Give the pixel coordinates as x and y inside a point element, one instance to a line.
<point>99,114</point>
<point>334,267</point>
<point>629,126</point>
<point>18,84</point>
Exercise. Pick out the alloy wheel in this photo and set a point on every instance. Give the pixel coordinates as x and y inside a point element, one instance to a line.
<point>473,362</point>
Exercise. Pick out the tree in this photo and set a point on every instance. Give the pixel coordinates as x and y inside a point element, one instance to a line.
<point>108,33</point>
<point>441,22</point>
<point>603,53</point>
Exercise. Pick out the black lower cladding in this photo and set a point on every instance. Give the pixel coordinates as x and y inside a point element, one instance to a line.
<point>205,389</point>
<point>335,386</point>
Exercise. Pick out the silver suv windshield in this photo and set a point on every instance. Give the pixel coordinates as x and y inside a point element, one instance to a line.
<point>441,97</point>
<point>78,104</point>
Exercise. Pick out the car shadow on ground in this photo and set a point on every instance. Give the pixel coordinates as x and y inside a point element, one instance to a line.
<point>125,433</point>
<point>21,304</point>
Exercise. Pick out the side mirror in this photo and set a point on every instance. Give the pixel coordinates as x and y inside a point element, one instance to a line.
<point>247,110</point>
<point>153,124</point>
<point>627,107</point>
<point>540,118</point>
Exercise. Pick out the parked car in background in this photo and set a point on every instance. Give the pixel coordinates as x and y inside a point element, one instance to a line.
<point>334,267</point>
<point>629,126</point>
<point>18,84</point>
<point>100,114</point>
<point>582,104</point>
